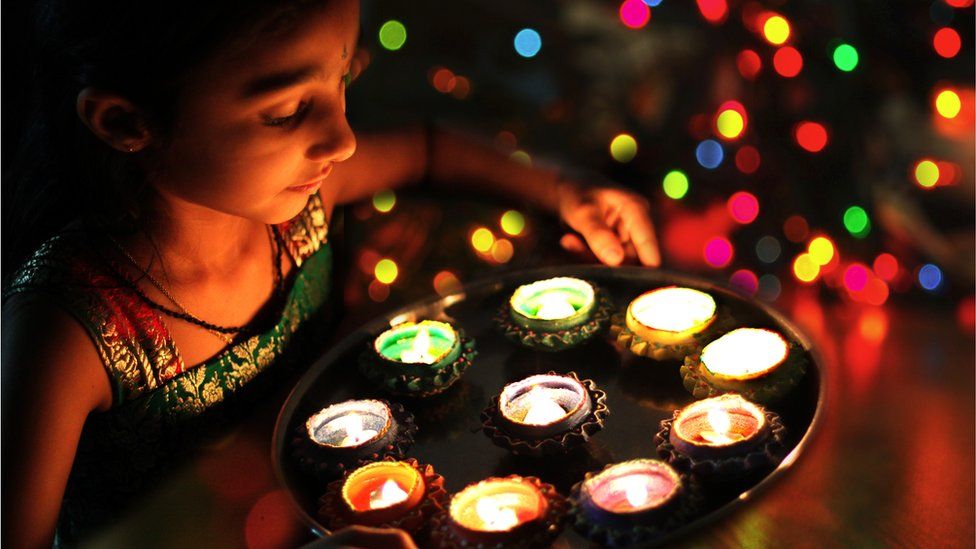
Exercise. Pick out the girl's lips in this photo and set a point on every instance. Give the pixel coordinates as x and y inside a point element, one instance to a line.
<point>314,184</point>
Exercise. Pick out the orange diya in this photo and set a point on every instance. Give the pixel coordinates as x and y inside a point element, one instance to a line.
<point>545,414</point>
<point>510,511</point>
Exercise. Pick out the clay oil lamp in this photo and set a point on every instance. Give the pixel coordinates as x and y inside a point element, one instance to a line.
<point>418,358</point>
<point>545,414</point>
<point>513,511</point>
<point>351,433</point>
<point>388,493</point>
<point>554,314</point>
<point>666,323</point>
<point>633,502</point>
<point>722,438</point>
<point>757,363</point>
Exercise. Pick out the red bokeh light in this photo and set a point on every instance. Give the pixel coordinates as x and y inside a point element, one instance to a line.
<point>749,64</point>
<point>714,11</point>
<point>745,281</point>
<point>718,252</point>
<point>747,159</point>
<point>743,207</point>
<point>796,228</point>
<point>634,13</point>
<point>886,267</point>
<point>788,62</point>
<point>812,136</point>
<point>959,3</point>
<point>856,277</point>
<point>947,42</point>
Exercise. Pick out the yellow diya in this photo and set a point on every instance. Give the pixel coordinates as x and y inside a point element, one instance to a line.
<point>665,323</point>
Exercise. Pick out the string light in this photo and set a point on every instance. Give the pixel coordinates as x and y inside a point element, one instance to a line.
<point>714,11</point>
<point>709,154</point>
<point>718,252</point>
<point>805,269</point>
<point>386,271</point>
<point>886,267</point>
<point>776,30</point>
<point>747,159</point>
<point>743,207</point>
<point>745,281</point>
<point>749,64</point>
<point>926,174</point>
<point>623,148</point>
<point>384,201</point>
<point>675,184</point>
<point>811,136</point>
<point>512,222</point>
<point>787,61</point>
<point>856,221</point>
<point>821,250</point>
<point>930,277</point>
<point>528,42</point>
<point>946,42</point>
<point>947,104</point>
<point>634,13</point>
<point>482,239</point>
<point>393,35</point>
<point>845,57</point>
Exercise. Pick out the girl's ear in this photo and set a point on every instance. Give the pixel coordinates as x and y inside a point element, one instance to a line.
<point>114,119</point>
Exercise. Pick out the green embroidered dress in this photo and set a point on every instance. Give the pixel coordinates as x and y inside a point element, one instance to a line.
<point>160,406</point>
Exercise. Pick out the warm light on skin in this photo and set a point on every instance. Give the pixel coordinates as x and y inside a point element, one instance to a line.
<point>745,353</point>
<point>674,309</point>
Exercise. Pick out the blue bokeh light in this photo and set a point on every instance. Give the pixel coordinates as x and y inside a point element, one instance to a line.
<point>929,277</point>
<point>709,154</point>
<point>653,3</point>
<point>528,42</point>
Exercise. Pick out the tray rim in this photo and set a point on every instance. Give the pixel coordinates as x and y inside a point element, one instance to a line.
<point>330,357</point>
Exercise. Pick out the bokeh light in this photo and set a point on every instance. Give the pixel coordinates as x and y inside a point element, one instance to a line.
<point>675,184</point>
<point>930,277</point>
<point>446,283</point>
<point>768,249</point>
<point>788,62</point>
<point>709,154</point>
<point>959,3</point>
<point>634,13</point>
<point>769,287</point>
<point>528,42</point>
<point>876,292</point>
<point>776,30</point>
<point>512,222</point>
<point>502,250</point>
<point>747,159</point>
<point>745,281</point>
<point>749,64</point>
<point>378,291</point>
<point>718,252</point>
<point>521,157</point>
<point>482,239</point>
<point>886,267</point>
<point>926,173</point>
<point>856,277</point>
<point>948,104</point>
<point>384,201</point>
<point>856,221</point>
<point>821,250</point>
<point>714,11</point>
<point>743,207</point>
<point>845,57</point>
<point>796,228</point>
<point>946,42</point>
<point>653,3</point>
<point>386,271</point>
<point>805,269</point>
<point>811,136</point>
<point>623,148</point>
<point>393,35</point>
<point>730,124</point>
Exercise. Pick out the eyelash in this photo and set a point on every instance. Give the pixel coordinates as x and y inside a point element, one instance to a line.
<point>296,117</point>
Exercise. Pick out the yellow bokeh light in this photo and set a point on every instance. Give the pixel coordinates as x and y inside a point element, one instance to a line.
<point>513,222</point>
<point>805,268</point>
<point>948,104</point>
<point>927,173</point>
<point>776,30</point>
<point>482,239</point>
<point>521,157</point>
<point>384,201</point>
<point>623,148</point>
<point>821,250</point>
<point>386,271</point>
<point>502,251</point>
<point>729,124</point>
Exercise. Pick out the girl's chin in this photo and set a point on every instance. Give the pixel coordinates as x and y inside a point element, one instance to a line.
<point>286,208</point>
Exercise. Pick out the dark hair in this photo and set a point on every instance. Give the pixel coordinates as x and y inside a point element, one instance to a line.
<point>143,50</point>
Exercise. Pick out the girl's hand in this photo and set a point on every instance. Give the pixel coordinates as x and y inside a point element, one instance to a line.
<point>615,223</point>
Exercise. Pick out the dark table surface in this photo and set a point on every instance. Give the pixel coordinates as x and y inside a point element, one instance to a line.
<point>892,463</point>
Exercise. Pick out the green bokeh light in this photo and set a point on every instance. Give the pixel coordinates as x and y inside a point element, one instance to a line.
<point>393,35</point>
<point>675,184</point>
<point>384,201</point>
<point>845,57</point>
<point>513,222</point>
<point>856,221</point>
<point>623,148</point>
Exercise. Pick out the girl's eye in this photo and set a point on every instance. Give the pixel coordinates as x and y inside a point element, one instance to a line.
<point>291,119</point>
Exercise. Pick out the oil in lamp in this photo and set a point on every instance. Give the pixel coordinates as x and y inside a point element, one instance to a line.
<point>666,323</point>
<point>757,363</point>
<point>388,493</point>
<point>511,511</point>
<point>351,433</point>
<point>418,358</point>
<point>545,414</point>
<point>722,438</point>
<point>632,502</point>
<point>554,314</point>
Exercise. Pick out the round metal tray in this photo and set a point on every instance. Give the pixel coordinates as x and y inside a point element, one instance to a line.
<point>640,392</point>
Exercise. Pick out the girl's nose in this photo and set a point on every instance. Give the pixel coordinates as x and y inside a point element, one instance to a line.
<point>336,141</point>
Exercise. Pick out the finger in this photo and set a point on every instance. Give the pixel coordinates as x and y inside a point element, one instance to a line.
<point>367,537</point>
<point>587,221</point>
<point>630,253</point>
<point>572,243</point>
<point>641,232</point>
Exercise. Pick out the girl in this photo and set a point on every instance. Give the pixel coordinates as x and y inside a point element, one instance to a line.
<point>189,211</point>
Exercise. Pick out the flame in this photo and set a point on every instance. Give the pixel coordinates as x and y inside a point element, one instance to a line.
<point>636,492</point>
<point>553,306</point>
<point>421,349</point>
<point>387,495</point>
<point>719,421</point>
<point>497,512</point>
<point>352,424</point>
<point>541,408</point>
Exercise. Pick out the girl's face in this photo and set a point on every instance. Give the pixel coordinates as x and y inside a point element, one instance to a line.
<point>259,129</point>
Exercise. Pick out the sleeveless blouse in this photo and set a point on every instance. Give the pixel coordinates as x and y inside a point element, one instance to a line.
<point>160,406</point>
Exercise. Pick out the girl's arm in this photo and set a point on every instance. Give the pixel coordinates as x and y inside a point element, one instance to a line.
<point>52,379</point>
<point>614,222</point>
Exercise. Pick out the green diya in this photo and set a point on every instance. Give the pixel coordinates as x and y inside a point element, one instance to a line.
<point>757,363</point>
<point>666,323</point>
<point>554,314</point>
<point>418,358</point>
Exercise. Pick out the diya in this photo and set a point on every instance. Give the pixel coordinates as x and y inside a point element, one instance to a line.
<point>722,438</point>
<point>418,358</point>
<point>666,323</point>
<point>757,363</point>
<point>388,493</point>
<point>511,511</point>
<point>351,433</point>
<point>632,502</point>
<point>554,314</point>
<point>545,414</point>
